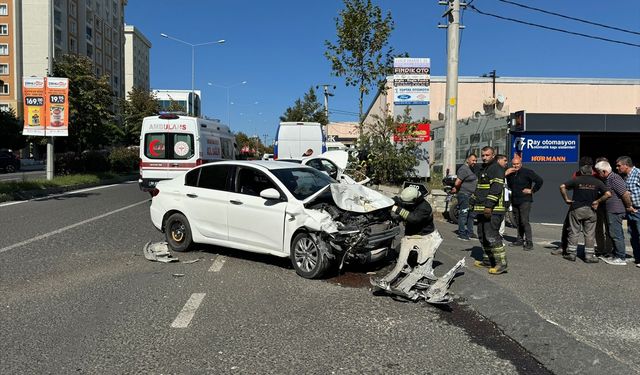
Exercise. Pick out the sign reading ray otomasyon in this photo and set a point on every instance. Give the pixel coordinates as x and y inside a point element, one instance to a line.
<point>64,229</point>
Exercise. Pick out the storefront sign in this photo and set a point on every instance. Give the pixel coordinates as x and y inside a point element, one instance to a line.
<point>547,148</point>
<point>411,81</point>
<point>422,133</point>
<point>46,106</point>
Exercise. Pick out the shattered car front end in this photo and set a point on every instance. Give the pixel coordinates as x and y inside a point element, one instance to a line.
<point>352,224</point>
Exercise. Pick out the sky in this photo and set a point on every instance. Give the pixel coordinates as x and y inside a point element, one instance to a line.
<point>278,46</point>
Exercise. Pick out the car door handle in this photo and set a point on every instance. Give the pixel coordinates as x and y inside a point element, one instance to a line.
<point>192,195</point>
<point>233,201</point>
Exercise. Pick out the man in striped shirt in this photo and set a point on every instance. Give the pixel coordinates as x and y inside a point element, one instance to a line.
<point>624,164</point>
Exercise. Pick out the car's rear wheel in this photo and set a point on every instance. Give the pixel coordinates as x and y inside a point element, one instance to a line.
<point>10,168</point>
<point>307,258</point>
<point>177,232</point>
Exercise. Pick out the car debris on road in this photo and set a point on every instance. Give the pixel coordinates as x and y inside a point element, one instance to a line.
<point>158,252</point>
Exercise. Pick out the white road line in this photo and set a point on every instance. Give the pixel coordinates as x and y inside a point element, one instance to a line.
<point>188,311</point>
<point>57,231</point>
<point>66,193</point>
<point>217,263</point>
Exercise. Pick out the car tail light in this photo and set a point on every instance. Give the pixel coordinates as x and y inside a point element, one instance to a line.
<point>154,192</point>
<point>199,162</point>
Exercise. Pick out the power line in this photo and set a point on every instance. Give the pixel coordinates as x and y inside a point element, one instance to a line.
<point>569,17</point>
<point>552,28</point>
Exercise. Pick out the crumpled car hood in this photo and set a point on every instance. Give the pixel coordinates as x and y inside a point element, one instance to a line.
<point>358,198</point>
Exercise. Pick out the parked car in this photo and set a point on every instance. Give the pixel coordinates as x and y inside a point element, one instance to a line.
<point>9,162</point>
<point>278,208</point>
<point>335,164</point>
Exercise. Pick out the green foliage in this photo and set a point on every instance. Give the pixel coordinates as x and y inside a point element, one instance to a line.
<point>388,162</point>
<point>140,103</point>
<point>124,159</point>
<point>359,53</point>
<point>91,121</point>
<point>88,161</point>
<point>24,189</point>
<point>306,110</point>
<point>254,143</point>
<point>176,107</point>
<point>11,131</point>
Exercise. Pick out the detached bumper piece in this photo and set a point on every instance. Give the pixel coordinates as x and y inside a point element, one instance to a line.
<point>158,252</point>
<point>419,281</point>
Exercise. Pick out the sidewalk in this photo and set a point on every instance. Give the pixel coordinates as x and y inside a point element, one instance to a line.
<point>572,316</point>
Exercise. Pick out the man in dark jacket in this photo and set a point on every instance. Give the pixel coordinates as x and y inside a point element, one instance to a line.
<point>523,183</point>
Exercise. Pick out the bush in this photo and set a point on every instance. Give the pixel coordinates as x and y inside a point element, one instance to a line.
<point>67,163</point>
<point>87,161</point>
<point>124,159</point>
<point>95,161</point>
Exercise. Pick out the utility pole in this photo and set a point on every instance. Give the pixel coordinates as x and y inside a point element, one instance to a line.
<point>265,139</point>
<point>50,149</point>
<point>493,76</point>
<point>327,94</point>
<point>451,112</point>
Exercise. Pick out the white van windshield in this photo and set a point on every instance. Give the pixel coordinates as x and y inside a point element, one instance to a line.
<point>168,146</point>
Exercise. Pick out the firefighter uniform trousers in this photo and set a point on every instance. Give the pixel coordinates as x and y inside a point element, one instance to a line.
<point>491,240</point>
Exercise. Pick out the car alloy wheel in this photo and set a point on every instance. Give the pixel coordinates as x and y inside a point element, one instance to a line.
<point>178,232</point>
<point>307,258</point>
<point>10,168</point>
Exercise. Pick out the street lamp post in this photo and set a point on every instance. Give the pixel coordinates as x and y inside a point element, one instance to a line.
<point>193,65</point>
<point>228,102</point>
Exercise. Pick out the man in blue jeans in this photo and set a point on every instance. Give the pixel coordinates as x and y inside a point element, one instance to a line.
<point>624,164</point>
<point>465,185</point>
<point>616,207</point>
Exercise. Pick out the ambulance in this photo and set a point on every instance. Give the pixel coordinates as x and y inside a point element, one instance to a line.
<point>171,144</point>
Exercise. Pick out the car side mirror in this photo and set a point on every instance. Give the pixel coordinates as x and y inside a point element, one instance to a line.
<point>270,194</point>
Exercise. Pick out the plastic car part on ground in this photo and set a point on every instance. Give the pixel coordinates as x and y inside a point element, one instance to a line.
<point>158,252</point>
<point>419,281</point>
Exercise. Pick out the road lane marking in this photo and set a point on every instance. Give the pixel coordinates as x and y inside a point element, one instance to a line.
<point>66,193</point>
<point>217,263</point>
<point>188,311</point>
<point>64,229</point>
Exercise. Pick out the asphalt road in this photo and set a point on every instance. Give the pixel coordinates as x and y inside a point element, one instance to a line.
<point>78,296</point>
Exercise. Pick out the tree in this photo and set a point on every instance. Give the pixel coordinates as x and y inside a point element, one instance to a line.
<point>307,110</point>
<point>91,121</point>
<point>385,160</point>
<point>176,107</point>
<point>359,54</point>
<point>140,103</point>
<point>11,131</point>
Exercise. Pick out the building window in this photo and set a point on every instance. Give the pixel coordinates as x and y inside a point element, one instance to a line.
<point>89,33</point>
<point>73,46</point>
<point>5,108</point>
<point>4,69</point>
<point>89,50</point>
<point>73,8</point>
<point>57,17</point>
<point>4,29</point>
<point>4,90</point>
<point>58,36</point>
<point>4,11</point>
<point>98,58</point>
<point>4,49</point>
<point>73,27</point>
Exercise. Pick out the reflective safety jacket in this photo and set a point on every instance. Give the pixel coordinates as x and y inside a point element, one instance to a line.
<point>490,189</point>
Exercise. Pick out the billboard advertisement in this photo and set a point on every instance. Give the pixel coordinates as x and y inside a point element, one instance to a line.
<point>422,133</point>
<point>547,148</point>
<point>46,106</point>
<point>33,92</point>
<point>411,80</point>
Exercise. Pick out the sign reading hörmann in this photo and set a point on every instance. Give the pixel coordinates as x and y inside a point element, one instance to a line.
<point>547,148</point>
<point>411,80</point>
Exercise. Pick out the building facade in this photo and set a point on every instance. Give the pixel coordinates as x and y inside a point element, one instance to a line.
<point>93,28</point>
<point>10,52</point>
<point>136,59</point>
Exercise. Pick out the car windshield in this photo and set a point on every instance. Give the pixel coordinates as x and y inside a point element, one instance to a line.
<point>302,182</point>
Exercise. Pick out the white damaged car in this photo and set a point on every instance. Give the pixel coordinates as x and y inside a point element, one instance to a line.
<point>278,208</point>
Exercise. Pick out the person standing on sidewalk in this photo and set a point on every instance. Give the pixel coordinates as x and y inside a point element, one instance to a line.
<point>489,205</point>
<point>523,183</point>
<point>624,164</point>
<point>616,208</point>
<point>588,193</point>
<point>465,186</point>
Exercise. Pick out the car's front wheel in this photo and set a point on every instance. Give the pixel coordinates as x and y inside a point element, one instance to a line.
<point>177,232</point>
<point>307,258</point>
<point>10,168</point>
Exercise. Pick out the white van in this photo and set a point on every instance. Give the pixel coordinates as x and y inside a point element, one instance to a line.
<point>171,144</point>
<point>293,139</point>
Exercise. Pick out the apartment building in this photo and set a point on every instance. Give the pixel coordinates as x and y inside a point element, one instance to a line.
<point>93,28</point>
<point>136,59</point>
<point>10,50</point>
